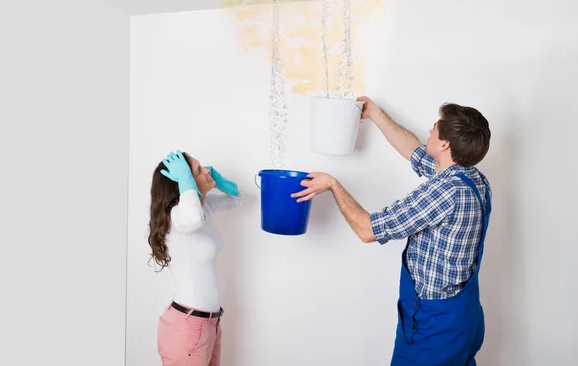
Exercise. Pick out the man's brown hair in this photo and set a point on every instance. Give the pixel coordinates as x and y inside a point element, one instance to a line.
<point>467,131</point>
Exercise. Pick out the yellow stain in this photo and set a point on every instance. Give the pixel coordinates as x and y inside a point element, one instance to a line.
<point>301,46</point>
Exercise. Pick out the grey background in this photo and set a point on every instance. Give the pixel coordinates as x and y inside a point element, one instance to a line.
<point>64,109</point>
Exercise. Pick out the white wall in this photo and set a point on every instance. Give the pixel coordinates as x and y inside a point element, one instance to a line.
<point>324,298</point>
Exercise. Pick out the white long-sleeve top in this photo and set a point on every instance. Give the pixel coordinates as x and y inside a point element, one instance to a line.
<point>193,242</point>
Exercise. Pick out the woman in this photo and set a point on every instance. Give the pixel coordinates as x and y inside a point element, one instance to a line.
<point>184,239</point>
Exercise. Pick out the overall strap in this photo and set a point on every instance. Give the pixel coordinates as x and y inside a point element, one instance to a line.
<point>470,183</point>
<point>485,211</point>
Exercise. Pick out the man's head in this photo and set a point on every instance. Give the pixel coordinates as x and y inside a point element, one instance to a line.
<point>461,133</point>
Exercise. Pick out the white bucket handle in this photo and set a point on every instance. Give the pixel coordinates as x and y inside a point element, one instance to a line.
<point>361,110</point>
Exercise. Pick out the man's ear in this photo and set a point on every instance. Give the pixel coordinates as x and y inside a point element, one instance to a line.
<point>445,145</point>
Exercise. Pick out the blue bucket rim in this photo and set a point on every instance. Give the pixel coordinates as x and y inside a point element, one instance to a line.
<point>283,173</point>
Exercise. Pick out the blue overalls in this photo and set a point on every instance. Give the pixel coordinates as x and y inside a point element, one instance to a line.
<point>446,332</point>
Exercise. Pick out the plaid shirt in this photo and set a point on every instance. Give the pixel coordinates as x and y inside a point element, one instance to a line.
<point>443,221</point>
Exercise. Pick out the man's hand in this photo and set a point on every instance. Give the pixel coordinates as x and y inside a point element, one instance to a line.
<point>356,216</point>
<point>317,184</point>
<point>404,141</point>
<point>370,109</point>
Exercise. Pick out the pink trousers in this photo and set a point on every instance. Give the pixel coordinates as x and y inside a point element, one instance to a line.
<point>186,340</point>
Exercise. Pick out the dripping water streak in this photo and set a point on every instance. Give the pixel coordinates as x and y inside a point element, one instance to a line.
<point>345,72</point>
<point>325,16</point>
<point>278,111</point>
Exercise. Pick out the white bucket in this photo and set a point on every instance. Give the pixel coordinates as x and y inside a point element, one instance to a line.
<point>334,124</point>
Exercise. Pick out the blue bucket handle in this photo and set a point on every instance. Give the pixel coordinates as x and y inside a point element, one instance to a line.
<point>256,181</point>
<point>260,187</point>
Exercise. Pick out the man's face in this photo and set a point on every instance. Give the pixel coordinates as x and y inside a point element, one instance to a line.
<point>433,146</point>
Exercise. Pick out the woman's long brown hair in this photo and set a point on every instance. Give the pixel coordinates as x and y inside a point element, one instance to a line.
<point>164,196</point>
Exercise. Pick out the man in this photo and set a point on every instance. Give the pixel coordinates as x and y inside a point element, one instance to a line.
<point>440,318</point>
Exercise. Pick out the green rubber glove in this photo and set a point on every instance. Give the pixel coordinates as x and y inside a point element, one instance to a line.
<point>179,171</point>
<point>223,184</point>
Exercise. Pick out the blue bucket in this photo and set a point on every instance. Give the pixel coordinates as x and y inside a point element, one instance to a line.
<point>280,213</point>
